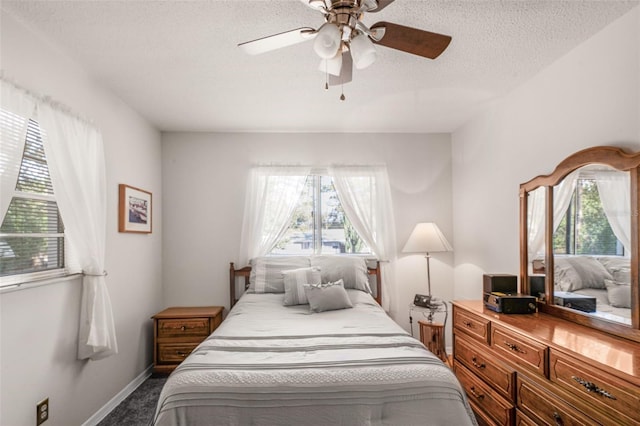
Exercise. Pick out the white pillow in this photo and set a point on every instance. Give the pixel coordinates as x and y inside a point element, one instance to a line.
<point>327,297</point>
<point>619,294</point>
<point>266,272</point>
<point>294,281</point>
<point>352,270</point>
<point>577,272</point>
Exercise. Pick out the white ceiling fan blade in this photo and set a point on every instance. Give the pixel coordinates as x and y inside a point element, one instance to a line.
<point>277,41</point>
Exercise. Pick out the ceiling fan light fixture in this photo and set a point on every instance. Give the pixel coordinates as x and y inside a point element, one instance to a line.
<point>332,65</point>
<point>363,51</point>
<point>327,42</point>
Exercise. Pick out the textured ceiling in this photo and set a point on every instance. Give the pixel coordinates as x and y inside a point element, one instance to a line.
<point>177,62</point>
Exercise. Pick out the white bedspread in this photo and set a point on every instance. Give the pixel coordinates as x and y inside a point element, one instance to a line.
<point>268,364</point>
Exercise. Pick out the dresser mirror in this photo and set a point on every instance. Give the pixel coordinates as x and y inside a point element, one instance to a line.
<point>579,240</point>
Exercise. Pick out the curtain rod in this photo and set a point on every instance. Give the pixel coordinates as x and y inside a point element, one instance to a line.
<point>45,100</point>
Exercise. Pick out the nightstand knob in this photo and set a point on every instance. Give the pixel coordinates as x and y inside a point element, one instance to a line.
<point>183,328</point>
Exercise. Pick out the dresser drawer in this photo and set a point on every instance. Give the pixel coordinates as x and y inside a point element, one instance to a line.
<point>544,408</point>
<point>473,325</point>
<point>613,396</point>
<point>183,327</point>
<point>477,359</point>
<point>523,420</point>
<point>174,352</point>
<point>484,398</point>
<point>520,349</point>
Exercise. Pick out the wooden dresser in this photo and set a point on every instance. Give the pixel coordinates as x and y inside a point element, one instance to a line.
<point>538,369</point>
<point>178,330</point>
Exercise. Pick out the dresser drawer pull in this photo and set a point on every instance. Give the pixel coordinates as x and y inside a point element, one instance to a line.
<point>182,354</point>
<point>479,396</point>
<point>183,328</point>
<point>468,324</point>
<point>558,418</point>
<point>592,387</point>
<point>474,361</point>
<point>514,347</point>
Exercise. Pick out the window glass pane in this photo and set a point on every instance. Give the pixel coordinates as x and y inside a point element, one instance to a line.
<point>331,234</point>
<point>338,235</point>
<point>299,238</point>
<point>585,228</point>
<point>32,233</point>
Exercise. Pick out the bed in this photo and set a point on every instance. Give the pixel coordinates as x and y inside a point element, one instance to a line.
<point>275,361</point>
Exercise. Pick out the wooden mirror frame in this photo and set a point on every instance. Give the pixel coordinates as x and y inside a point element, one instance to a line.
<point>613,157</point>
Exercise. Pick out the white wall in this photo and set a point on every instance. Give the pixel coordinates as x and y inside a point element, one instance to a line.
<point>587,98</point>
<point>204,181</point>
<point>39,326</point>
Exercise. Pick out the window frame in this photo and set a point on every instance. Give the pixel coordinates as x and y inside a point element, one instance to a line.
<point>317,220</point>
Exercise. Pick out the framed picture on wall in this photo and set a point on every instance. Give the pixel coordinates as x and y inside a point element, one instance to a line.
<point>134,210</point>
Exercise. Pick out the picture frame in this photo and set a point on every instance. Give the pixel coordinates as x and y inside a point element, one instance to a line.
<point>135,210</point>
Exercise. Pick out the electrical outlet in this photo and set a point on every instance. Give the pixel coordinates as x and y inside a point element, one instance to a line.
<point>42,411</point>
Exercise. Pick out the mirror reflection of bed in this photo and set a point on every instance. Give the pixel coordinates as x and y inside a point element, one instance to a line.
<point>580,240</point>
<point>591,240</point>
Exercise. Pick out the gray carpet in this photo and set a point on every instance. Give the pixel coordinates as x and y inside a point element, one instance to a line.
<point>139,407</point>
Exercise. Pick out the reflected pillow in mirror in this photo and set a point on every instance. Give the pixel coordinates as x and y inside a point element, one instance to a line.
<point>573,273</point>
<point>619,294</point>
<point>327,297</point>
<point>294,281</point>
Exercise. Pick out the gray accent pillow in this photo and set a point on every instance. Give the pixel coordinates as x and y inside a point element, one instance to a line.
<point>573,273</point>
<point>327,297</point>
<point>266,272</point>
<point>619,294</point>
<point>351,270</point>
<point>294,281</point>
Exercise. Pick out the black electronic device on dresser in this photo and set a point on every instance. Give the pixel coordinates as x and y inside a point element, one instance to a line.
<point>501,295</point>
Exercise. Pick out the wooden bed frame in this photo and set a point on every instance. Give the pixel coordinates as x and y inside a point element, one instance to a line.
<point>246,271</point>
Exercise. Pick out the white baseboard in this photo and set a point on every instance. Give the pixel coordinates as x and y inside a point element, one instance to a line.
<point>99,415</point>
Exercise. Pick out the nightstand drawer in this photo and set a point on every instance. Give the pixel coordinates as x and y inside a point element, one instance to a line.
<point>183,327</point>
<point>484,397</point>
<point>174,352</point>
<point>476,327</point>
<point>520,349</point>
<point>547,409</point>
<point>602,391</point>
<point>486,366</point>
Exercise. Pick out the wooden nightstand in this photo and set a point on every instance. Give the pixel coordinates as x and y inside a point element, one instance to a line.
<point>432,336</point>
<point>178,330</point>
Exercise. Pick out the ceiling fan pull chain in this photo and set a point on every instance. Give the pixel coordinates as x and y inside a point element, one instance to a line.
<point>342,97</point>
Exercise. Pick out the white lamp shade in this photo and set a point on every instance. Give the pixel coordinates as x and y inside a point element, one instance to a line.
<point>426,238</point>
<point>332,66</point>
<point>363,51</point>
<point>327,41</point>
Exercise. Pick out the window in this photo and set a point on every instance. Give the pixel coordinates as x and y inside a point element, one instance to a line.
<point>585,228</point>
<point>32,233</point>
<point>319,224</point>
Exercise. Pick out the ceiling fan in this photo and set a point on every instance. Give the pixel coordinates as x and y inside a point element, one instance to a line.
<point>344,40</point>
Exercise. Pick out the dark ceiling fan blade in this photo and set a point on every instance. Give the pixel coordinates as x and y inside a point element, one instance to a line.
<point>419,42</point>
<point>346,72</point>
<point>277,41</point>
<point>381,5</point>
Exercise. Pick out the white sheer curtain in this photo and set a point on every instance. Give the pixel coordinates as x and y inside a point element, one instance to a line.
<point>16,108</point>
<point>614,188</point>
<point>365,195</point>
<point>272,195</point>
<point>76,163</point>
<point>562,194</point>
<point>75,156</point>
<point>535,218</point>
